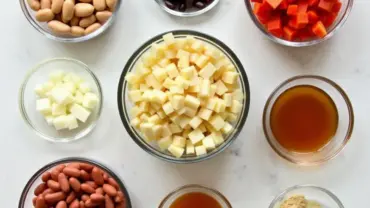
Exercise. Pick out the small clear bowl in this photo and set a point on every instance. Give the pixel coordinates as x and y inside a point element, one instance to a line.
<point>124,105</point>
<point>25,200</point>
<point>345,121</point>
<point>338,23</point>
<point>323,196</point>
<point>27,99</point>
<point>43,28</point>
<point>191,13</point>
<point>170,198</point>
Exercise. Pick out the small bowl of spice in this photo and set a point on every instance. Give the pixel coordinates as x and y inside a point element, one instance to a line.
<point>306,196</point>
<point>195,196</point>
<point>308,120</point>
<point>187,8</point>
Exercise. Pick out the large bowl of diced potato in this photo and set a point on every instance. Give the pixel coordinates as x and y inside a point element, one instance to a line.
<point>183,96</point>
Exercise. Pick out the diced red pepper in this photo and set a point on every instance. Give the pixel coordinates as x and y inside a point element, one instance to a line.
<point>319,29</point>
<point>313,3</point>
<point>289,33</point>
<point>328,19</point>
<point>284,5</point>
<point>326,5</point>
<point>274,3</point>
<point>336,7</point>
<point>302,6</point>
<point>292,10</point>
<point>312,17</point>
<point>302,20</point>
<point>274,24</point>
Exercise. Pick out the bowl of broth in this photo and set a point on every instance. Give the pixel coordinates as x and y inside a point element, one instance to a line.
<point>308,119</point>
<point>195,196</point>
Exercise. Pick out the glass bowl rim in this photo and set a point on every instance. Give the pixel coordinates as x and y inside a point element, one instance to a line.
<point>51,36</point>
<point>177,190</point>
<point>314,187</point>
<point>187,14</point>
<point>281,41</point>
<point>28,121</point>
<point>349,128</point>
<point>48,166</point>
<point>156,153</point>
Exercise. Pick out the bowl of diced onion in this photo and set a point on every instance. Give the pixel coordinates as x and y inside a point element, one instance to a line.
<point>61,100</point>
<point>183,96</point>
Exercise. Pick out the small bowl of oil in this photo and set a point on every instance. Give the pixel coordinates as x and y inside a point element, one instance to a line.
<point>195,196</point>
<point>308,120</point>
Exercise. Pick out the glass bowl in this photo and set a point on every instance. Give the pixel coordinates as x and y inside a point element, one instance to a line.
<point>124,105</point>
<point>187,13</point>
<point>25,200</point>
<point>170,198</point>
<point>338,23</point>
<point>323,196</point>
<point>27,99</point>
<point>345,121</point>
<point>43,28</point>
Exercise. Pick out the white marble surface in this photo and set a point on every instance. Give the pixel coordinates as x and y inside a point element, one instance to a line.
<point>248,173</point>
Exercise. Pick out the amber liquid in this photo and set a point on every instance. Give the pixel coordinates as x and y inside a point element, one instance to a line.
<point>304,119</point>
<point>195,200</point>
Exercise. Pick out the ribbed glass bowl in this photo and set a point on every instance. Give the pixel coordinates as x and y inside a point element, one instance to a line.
<point>43,28</point>
<point>27,195</point>
<point>191,13</point>
<point>333,29</point>
<point>124,105</point>
<point>344,128</point>
<point>27,99</point>
<point>323,196</point>
<point>171,197</point>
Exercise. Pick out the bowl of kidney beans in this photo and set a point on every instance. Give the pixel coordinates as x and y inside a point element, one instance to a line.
<point>187,8</point>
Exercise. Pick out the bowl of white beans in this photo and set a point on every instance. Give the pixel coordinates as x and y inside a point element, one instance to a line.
<point>70,20</point>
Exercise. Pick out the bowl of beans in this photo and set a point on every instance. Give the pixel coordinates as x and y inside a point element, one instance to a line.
<point>187,8</point>
<point>75,182</point>
<point>70,20</point>
<point>298,23</point>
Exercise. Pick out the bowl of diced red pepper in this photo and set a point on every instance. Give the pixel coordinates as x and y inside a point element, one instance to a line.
<point>299,22</point>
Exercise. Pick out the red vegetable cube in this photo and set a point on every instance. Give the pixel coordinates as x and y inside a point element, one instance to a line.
<point>312,17</point>
<point>319,29</point>
<point>336,7</point>
<point>326,5</point>
<point>274,3</point>
<point>292,10</point>
<point>289,33</point>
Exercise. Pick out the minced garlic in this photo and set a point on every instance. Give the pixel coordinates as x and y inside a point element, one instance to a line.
<point>299,201</point>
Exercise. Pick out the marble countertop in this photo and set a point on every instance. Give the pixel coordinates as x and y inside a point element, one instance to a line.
<point>249,173</point>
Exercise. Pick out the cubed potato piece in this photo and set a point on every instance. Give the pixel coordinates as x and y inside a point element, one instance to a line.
<point>195,122</point>
<point>164,143</point>
<point>221,88</point>
<point>144,117</point>
<point>184,58</point>
<point>209,143</point>
<point>58,110</point>
<point>57,76</point>
<point>151,81</point>
<point>176,151</point>
<point>157,131</point>
<point>229,77</point>
<point>213,90</point>
<point>194,57</point>
<point>185,133</point>
<point>179,141</point>
<point>170,54</point>
<point>161,114</point>
<point>196,136</point>
<point>228,98</point>
<point>230,67</point>
<point>178,102</point>
<point>147,129</point>
<point>168,83</point>
<point>176,89</point>
<point>197,46</point>
<point>144,106</point>
<point>166,131</point>
<point>190,40</point>
<point>205,89</point>
<point>172,71</point>
<point>220,63</point>
<point>236,107</point>
<point>192,102</point>
<point>217,138</point>
<point>207,71</point>
<point>154,119</point>
<point>135,95</point>
<point>238,95</point>
<point>217,122</point>
<point>44,106</point>
<point>190,149</point>
<point>205,114</point>
<point>212,52</point>
<point>231,117</point>
<point>159,97</point>
<point>182,82</point>
<point>202,61</point>
<point>200,150</point>
<point>148,59</point>
<point>160,74</point>
<point>220,107</point>
<point>158,50</point>
<point>227,128</point>
<point>181,111</point>
<point>167,108</point>
<point>143,87</point>
<point>194,89</point>
<point>175,128</point>
<point>209,127</point>
<point>183,121</point>
<point>180,43</point>
<point>188,73</point>
<point>169,39</point>
<point>189,112</point>
<point>143,70</point>
<point>203,128</point>
<point>135,122</point>
<point>211,103</point>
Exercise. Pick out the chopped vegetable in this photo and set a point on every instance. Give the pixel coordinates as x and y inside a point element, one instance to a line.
<point>319,29</point>
<point>292,10</point>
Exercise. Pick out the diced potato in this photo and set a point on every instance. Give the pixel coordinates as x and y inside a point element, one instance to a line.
<point>227,128</point>
<point>194,57</point>
<point>196,136</point>
<point>192,102</point>
<point>160,74</point>
<point>169,39</point>
<point>207,71</point>
<point>236,107</point>
<point>211,103</point>
<point>166,131</point>
<point>167,108</point>
<point>154,119</point>
<point>157,131</point>
<point>203,128</point>
<point>238,95</point>
<point>217,138</point>
<point>164,143</point>
<point>221,88</point>
<point>228,98</point>
<point>217,122</point>
<point>135,122</point>
<point>190,149</point>
<point>195,122</point>
<point>153,82</point>
<point>205,89</point>
<point>135,95</point>
<point>179,141</point>
<point>229,77</point>
<point>205,113</point>
<point>176,151</point>
<point>220,106</point>
<point>197,46</point>
<point>175,128</point>
<point>190,112</point>
<point>172,71</point>
<point>183,121</point>
<point>176,89</point>
<point>209,143</point>
<point>202,61</point>
<point>200,150</point>
<point>170,54</point>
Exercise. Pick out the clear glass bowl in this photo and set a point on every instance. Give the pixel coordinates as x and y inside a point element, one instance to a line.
<point>323,196</point>
<point>187,13</point>
<point>43,28</point>
<point>124,105</point>
<point>345,121</point>
<point>170,198</point>
<point>27,99</point>
<point>25,200</point>
<point>339,22</point>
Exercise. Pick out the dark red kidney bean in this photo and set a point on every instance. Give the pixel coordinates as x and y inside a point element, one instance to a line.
<point>71,196</point>
<point>85,197</point>
<point>40,188</point>
<point>84,175</point>
<point>87,188</point>
<point>54,174</point>
<point>46,176</point>
<point>199,4</point>
<point>97,176</point>
<point>113,182</point>
<point>89,203</point>
<point>75,184</point>
<point>86,167</point>
<point>63,182</point>
<point>72,172</point>
<point>75,204</point>
<point>47,191</point>
<point>54,197</point>
<point>53,185</point>
<point>92,184</point>
<point>99,191</point>
<point>110,190</point>
<point>108,202</point>
<point>105,176</point>
<point>61,204</point>
<point>97,198</point>
<point>182,7</point>
<point>40,202</point>
<point>120,197</point>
